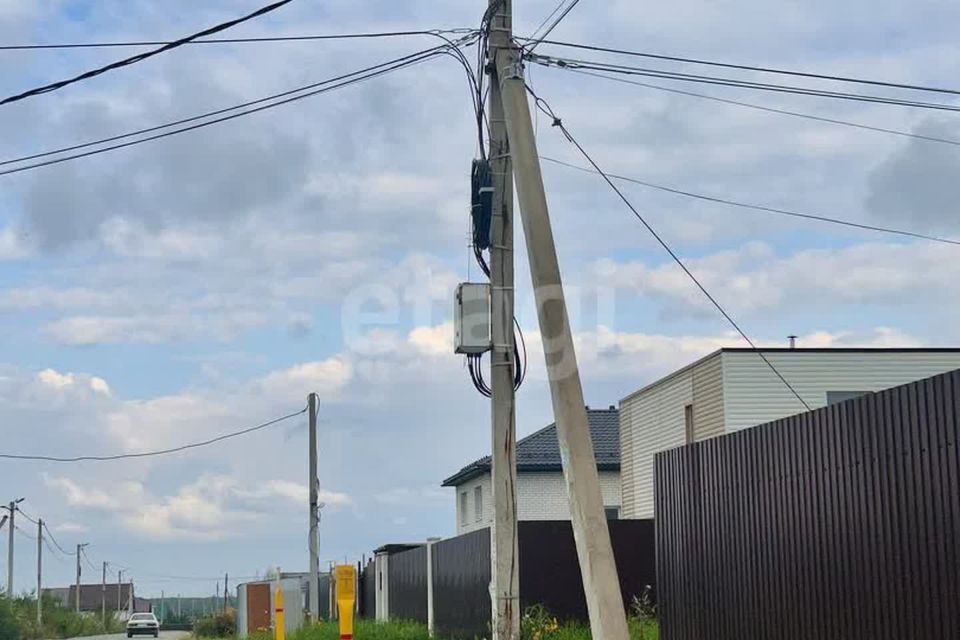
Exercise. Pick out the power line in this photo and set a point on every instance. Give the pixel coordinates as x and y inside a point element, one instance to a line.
<point>756,207</point>
<point>297,38</point>
<point>750,105</point>
<point>557,122</point>
<point>742,67</point>
<point>572,63</point>
<point>331,85</point>
<point>553,25</point>
<point>54,540</point>
<point>210,114</point>
<point>83,554</point>
<point>159,452</point>
<point>143,56</point>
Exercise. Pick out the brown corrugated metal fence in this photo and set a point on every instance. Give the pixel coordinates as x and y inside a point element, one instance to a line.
<point>840,523</point>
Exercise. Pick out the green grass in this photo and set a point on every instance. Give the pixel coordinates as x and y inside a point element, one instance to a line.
<point>364,630</point>
<point>540,626</point>
<point>18,621</point>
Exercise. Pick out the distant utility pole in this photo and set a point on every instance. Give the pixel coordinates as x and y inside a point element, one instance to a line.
<point>119,588</point>
<point>103,595</point>
<point>12,508</point>
<point>313,482</point>
<point>179,610</point>
<point>504,546</point>
<point>590,532</point>
<point>79,558</point>
<point>162,604</point>
<point>39,571</point>
<point>226,579</point>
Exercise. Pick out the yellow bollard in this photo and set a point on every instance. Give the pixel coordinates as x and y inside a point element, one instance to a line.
<point>279,629</point>
<point>346,575</point>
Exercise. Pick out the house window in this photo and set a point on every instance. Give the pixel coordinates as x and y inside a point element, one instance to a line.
<point>612,513</point>
<point>478,504</point>
<point>833,397</point>
<point>688,424</point>
<point>463,508</point>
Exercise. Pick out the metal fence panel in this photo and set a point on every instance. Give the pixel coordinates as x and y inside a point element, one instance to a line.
<point>461,586</point>
<point>842,523</point>
<point>408,585</point>
<point>550,570</point>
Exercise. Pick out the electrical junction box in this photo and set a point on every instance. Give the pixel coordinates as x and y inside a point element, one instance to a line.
<point>471,318</point>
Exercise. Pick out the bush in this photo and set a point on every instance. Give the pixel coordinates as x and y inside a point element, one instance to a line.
<point>9,627</point>
<point>220,625</point>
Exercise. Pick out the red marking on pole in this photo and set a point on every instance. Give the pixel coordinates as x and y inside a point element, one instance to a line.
<point>346,636</point>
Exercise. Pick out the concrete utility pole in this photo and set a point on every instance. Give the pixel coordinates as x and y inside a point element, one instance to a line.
<point>505,587</point>
<point>119,588</point>
<point>591,534</point>
<point>313,483</point>
<point>39,571</point>
<point>103,596</point>
<point>163,607</point>
<point>12,508</point>
<point>226,579</point>
<point>79,558</point>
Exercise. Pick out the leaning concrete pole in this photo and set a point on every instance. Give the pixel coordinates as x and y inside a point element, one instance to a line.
<point>597,566</point>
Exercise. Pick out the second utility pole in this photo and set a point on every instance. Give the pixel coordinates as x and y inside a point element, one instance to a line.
<point>312,543</point>
<point>590,531</point>
<point>505,569</point>
<point>12,524</point>
<point>39,571</point>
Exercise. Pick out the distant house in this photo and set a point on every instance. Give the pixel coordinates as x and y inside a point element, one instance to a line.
<point>541,493</point>
<point>93,596</point>
<point>734,389</point>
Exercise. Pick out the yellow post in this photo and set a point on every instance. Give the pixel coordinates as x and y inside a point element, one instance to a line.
<point>346,586</point>
<point>279,626</point>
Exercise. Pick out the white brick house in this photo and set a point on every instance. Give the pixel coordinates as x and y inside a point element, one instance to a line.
<point>541,493</point>
<point>734,389</point>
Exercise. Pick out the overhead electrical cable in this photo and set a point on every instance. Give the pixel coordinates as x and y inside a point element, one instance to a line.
<point>294,95</point>
<point>143,56</point>
<point>211,114</point>
<point>54,540</point>
<point>553,25</point>
<point>756,207</point>
<point>750,105</point>
<point>293,38</point>
<point>743,67</point>
<point>572,63</point>
<point>159,452</point>
<point>557,122</point>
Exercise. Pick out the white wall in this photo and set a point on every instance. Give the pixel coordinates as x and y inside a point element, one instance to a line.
<point>540,496</point>
<point>753,395</point>
<point>543,496</point>
<point>650,422</point>
<point>472,523</point>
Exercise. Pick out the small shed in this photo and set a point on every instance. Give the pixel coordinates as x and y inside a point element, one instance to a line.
<point>256,605</point>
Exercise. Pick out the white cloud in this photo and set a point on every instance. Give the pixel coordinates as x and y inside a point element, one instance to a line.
<point>212,507</point>
<point>12,246</point>
<point>56,380</point>
<point>71,527</point>
<point>756,277</point>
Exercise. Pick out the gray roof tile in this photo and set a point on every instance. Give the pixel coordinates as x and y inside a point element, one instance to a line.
<point>540,451</point>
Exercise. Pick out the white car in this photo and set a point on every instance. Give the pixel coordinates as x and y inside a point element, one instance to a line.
<point>146,623</point>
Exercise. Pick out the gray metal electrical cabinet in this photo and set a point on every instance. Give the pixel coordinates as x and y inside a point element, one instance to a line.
<point>471,318</point>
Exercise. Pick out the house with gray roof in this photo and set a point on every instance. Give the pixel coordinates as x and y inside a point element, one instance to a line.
<point>541,493</point>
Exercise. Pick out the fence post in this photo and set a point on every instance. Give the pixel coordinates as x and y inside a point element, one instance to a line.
<point>430,543</point>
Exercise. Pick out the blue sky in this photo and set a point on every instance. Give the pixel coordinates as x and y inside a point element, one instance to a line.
<point>188,287</point>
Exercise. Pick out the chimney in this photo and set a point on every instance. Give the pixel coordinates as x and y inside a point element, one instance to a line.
<point>793,341</point>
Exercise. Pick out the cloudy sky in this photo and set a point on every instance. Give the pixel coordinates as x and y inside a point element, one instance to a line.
<point>192,286</point>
